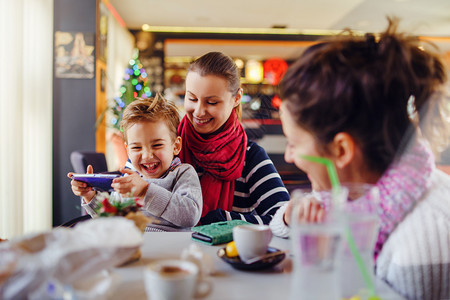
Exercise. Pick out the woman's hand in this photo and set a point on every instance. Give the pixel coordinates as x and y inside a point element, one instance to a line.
<point>81,188</point>
<point>288,213</point>
<point>133,184</point>
<point>309,210</point>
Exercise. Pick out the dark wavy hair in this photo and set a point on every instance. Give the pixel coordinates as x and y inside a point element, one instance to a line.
<point>362,85</point>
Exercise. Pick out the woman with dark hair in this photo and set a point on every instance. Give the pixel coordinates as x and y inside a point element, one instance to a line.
<point>238,179</point>
<point>359,101</point>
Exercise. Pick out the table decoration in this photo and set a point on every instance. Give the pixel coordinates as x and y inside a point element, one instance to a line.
<point>129,208</point>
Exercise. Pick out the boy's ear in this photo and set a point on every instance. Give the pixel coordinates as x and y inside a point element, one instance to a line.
<point>343,149</point>
<point>177,146</point>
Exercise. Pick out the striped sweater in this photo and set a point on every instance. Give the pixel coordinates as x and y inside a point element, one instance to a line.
<point>259,192</point>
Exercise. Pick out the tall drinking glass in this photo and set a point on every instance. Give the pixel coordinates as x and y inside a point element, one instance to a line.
<point>360,211</point>
<point>316,247</point>
<point>333,259</point>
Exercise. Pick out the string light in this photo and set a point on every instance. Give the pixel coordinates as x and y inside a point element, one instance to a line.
<point>254,71</point>
<point>135,85</point>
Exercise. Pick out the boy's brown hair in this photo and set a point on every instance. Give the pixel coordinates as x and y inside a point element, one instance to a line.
<point>151,110</point>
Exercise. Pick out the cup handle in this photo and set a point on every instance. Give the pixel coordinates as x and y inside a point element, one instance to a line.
<point>203,288</point>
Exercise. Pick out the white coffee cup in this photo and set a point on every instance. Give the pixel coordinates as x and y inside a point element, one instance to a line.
<point>251,240</point>
<point>174,280</point>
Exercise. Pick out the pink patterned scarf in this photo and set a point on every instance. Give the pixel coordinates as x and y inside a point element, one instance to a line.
<point>401,186</point>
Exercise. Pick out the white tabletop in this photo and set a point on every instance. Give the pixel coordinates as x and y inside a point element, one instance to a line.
<point>228,283</point>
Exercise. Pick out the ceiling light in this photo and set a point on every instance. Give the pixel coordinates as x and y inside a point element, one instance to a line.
<point>239,63</point>
<point>235,30</point>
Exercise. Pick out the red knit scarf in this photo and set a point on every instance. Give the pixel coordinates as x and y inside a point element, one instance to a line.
<point>220,155</point>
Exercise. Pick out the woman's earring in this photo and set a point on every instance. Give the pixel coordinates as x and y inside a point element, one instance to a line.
<point>411,109</point>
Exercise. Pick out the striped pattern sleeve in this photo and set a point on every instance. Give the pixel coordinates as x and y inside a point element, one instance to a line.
<point>277,225</point>
<point>129,165</point>
<point>259,192</point>
<point>92,206</point>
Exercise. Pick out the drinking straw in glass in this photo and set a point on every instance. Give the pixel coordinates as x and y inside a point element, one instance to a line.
<point>336,188</point>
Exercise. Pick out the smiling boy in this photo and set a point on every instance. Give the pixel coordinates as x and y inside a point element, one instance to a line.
<point>170,189</point>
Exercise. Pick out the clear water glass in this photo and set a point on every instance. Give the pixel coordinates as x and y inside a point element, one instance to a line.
<point>361,216</point>
<point>316,249</point>
<point>324,266</point>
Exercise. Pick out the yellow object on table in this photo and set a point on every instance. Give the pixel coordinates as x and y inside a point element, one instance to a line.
<point>231,249</point>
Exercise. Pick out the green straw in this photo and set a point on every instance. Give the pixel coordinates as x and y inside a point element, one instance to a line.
<point>334,179</point>
<point>336,188</point>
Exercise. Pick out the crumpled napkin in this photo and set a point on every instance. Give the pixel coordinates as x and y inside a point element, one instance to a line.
<point>203,261</point>
<point>65,256</point>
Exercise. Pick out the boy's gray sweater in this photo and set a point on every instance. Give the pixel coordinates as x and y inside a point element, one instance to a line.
<point>175,201</point>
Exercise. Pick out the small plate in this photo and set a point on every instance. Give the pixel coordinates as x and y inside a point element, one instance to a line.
<point>264,263</point>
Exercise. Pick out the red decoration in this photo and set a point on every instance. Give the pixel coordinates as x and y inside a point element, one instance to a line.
<point>176,79</point>
<point>274,69</point>
<point>138,202</point>
<point>276,102</point>
<point>107,207</point>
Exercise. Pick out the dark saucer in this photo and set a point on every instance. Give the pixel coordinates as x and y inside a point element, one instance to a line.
<point>264,263</point>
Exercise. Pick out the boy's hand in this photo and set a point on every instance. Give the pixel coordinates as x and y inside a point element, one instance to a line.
<point>309,210</point>
<point>81,188</point>
<point>131,184</point>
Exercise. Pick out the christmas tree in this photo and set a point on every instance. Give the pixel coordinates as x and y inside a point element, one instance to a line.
<point>135,85</point>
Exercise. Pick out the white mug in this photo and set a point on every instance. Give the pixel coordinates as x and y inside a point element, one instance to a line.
<point>174,280</point>
<point>251,240</point>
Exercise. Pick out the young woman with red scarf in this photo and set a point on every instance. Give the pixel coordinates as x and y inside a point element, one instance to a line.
<point>238,179</point>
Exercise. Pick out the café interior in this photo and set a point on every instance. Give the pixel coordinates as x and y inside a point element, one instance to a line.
<point>55,105</point>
